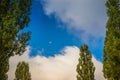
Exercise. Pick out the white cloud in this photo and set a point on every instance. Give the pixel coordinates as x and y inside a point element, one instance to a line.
<point>82,17</point>
<point>59,67</point>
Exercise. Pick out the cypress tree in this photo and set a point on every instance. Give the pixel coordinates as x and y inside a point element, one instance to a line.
<point>22,71</point>
<point>14,17</point>
<point>85,67</point>
<point>111,62</point>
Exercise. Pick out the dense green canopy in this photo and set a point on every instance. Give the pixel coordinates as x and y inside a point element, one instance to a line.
<point>111,62</point>
<point>22,71</point>
<point>85,67</point>
<point>14,17</point>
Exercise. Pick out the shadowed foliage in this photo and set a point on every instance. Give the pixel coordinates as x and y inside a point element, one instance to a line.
<point>14,17</point>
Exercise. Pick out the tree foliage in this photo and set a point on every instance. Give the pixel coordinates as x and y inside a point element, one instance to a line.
<point>14,17</point>
<point>85,67</point>
<point>22,71</point>
<point>111,63</point>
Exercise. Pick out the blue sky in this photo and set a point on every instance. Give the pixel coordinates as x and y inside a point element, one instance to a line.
<point>51,31</point>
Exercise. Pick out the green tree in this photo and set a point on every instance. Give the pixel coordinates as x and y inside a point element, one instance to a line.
<point>85,67</point>
<point>14,17</point>
<point>22,71</point>
<point>111,62</point>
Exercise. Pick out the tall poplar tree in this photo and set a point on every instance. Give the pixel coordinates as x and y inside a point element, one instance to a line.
<point>111,62</point>
<point>14,17</point>
<point>85,67</point>
<point>22,71</point>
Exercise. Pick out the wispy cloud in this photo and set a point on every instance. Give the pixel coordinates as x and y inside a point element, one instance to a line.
<point>59,67</point>
<point>83,18</point>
